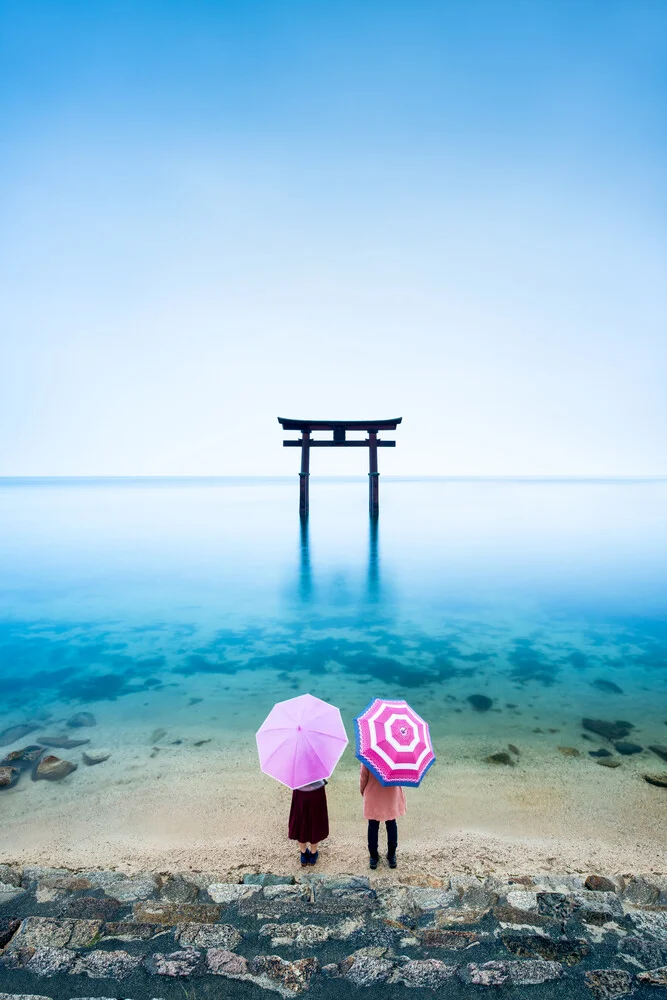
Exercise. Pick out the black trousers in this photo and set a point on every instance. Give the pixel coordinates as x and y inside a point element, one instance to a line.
<point>392,837</point>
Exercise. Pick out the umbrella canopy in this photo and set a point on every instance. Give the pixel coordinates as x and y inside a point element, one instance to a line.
<point>393,742</point>
<point>301,740</point>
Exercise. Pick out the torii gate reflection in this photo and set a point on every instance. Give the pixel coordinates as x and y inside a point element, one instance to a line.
<point>339,428</point>
<point>305,567</point>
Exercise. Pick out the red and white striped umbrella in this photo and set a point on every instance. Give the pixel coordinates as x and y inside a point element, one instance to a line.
<point>393,742</point>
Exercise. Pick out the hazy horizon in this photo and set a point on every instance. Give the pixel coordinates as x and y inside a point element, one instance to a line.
<point>215,214</point>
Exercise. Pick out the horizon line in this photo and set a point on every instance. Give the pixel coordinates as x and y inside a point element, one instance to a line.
<point>203,477</point>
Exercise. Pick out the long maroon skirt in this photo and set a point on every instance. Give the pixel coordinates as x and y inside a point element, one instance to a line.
<point>308,816</point>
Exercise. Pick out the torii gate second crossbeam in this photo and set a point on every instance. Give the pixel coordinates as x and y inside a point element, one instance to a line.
<point>339,428</point>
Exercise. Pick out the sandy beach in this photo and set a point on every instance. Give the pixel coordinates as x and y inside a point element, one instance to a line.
<point>209,809</point>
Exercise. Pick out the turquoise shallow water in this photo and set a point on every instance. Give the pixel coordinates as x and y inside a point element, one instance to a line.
<point>547,597</point>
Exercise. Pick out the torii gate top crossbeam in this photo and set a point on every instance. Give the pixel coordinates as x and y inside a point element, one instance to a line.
<point>289,424</point>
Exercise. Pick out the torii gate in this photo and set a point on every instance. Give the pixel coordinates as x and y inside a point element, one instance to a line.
<point>339,428</point>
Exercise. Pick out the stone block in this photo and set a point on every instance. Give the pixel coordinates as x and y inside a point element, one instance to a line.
<point>230,892</point>
<point>609,984</point>
<point>649,923</point>
<point>266,879</point>
<point>170,914</point>
<point>428,973</point>
<point>528,973</point>
<point>178,890</point>
<point>106,964</point>
<point>187,962</point>
<point>654,977</point>
<point>286,978</point>
<point>51,932</point>
<point>125,888</point>
<point>208,936</point>
<point>222,962</point>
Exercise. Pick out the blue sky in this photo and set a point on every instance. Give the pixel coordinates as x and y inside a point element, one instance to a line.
<point>213,213</point>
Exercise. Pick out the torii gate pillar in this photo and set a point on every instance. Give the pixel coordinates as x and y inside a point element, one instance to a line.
<point>340,428</point>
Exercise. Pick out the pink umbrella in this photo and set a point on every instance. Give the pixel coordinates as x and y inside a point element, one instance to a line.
<point>394,742</point>
<point>301,740</point>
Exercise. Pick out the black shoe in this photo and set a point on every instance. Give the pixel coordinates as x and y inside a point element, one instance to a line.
<point>312,858</point>
<point>392,860</point>
<point>373,864</point>
<point>305,856</point>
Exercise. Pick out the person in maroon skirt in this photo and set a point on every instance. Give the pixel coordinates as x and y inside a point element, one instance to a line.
<point>309,820</point>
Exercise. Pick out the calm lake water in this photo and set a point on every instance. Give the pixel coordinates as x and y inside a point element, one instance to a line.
<point>159,597</point>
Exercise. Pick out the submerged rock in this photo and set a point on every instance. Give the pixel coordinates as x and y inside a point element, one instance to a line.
<point>480,702</point>
<point>82,719</point>
<point>656,779</point>
<point>611,731</point>
<point>9,776</point>
<point>568,751</point>
<point>53,769</point>
<point>15,733</point>
<point>91,757</point>
<point>602,685</point>
<point>609,762</point>
<point>659,751</point>
<point>599,753</point>
<point>23,758</point>
<point>627,749</point>
<point>502,757</point>
<point>61,741</point>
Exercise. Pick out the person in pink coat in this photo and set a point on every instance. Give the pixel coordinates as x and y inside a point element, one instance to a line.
<point>382,804</point>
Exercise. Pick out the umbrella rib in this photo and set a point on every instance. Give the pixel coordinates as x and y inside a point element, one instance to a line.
<point>315,753</point>
<point>274,752</point>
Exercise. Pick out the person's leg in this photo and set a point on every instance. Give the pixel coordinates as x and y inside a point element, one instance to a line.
<point>312,854</point>
<point>392,841</point>
<point>373,829</point>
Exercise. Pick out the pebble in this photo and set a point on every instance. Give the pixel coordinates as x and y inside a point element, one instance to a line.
<point>23,758</point>
<point>656,779</point>
<point>62,741</point>
<point>91,757</point>
<point>9,776</point>
<point>53,769</point>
